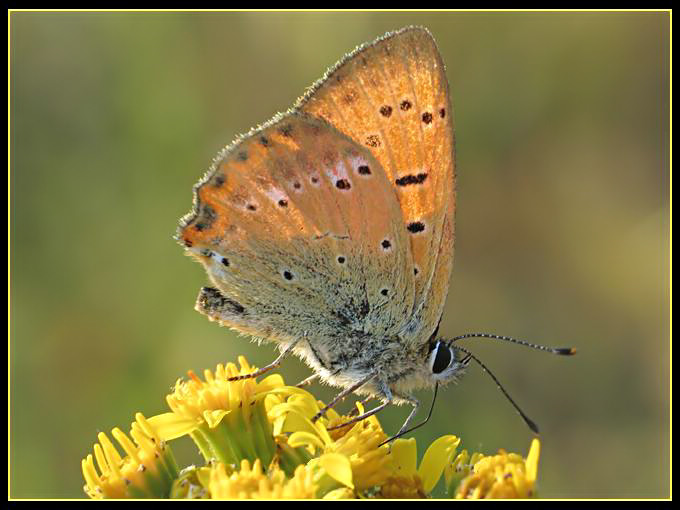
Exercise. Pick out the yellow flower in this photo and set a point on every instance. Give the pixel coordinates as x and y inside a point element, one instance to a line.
<point>253,483</point>
<point>459,469</point>
<point>506,475</point>
<point>407,480</point>
<point>147,471</point>
<point>192,483</point>
<point>227,419</point>
<point>332,471</point>
<point>260,442</point>
<point>359,443</point>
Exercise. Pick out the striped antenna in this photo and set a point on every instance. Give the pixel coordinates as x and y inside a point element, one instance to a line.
<point>562,351</point>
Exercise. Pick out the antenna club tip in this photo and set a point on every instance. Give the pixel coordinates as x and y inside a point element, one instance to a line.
<point>533,427</point>
<point>565,351</point>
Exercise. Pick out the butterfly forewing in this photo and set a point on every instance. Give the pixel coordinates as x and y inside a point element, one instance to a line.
<point>299,230</point>
<point>392,97</point>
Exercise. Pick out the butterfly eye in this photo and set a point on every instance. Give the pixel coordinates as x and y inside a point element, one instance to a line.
<point>442,358</point>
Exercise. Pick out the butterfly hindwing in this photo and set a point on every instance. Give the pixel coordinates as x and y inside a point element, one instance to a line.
<point>299,230</point>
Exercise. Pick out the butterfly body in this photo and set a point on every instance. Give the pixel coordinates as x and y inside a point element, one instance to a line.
<point>401,370</point>
<point>329,230</point>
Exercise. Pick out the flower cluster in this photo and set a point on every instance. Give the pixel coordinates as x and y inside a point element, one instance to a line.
<point>259,441</point>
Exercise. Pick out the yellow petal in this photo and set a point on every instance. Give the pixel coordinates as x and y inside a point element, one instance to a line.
<point>343,493</point>
<point>437,457</point>
<point>292,391</point>
<point>532,460</point>
<point>277,425</point>
<point>294,420</point>
<point>203,476</point>
<point>302,438</point>
<point>270,382</point>
<point>404,456</point>
<point>338,467</point>
<point>302,406</point>
<point>171,426</point>
<point>213,418</point>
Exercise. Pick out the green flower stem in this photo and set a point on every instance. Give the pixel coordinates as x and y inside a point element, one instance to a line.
<point>237,433</point>
<point>157,484</point>
<point>142,493</point>
<point>290,458</point>
<point>167,467</point>
<point>204,446</point>
<point>215,444</point>
<point>170,462</point>
<point>265,446</point>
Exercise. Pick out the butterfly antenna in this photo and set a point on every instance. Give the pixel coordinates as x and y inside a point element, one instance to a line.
<point>562,351</point>
<point>526,419</point>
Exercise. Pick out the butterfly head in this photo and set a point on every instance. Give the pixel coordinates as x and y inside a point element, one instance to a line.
<point>445,363</point>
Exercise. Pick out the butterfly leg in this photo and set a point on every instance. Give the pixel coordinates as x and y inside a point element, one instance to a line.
<point>307,381</point>
<point>342,395</point>
<point>355,411</point>
<point>361,417</point>
<point>387,400</point>
<point>414,402</point>
<point>266,368</point>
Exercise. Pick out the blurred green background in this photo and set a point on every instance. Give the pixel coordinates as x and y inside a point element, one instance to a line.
<point>562,233</point>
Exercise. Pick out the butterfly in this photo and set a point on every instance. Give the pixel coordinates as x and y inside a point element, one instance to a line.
<point>329,230</point>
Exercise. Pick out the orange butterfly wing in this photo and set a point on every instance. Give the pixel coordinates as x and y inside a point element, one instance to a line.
<point>298,228</point>
<point>392,96</point>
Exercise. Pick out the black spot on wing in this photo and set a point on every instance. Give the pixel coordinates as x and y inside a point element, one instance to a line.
<point>373,141</point>
<point>343,184</point>
<point>218,180</point>
<point>286,130</point>
<point>206,218</point>
<point>410,179</point>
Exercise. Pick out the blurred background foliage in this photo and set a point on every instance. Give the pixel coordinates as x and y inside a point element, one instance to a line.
<point>562,233</point>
